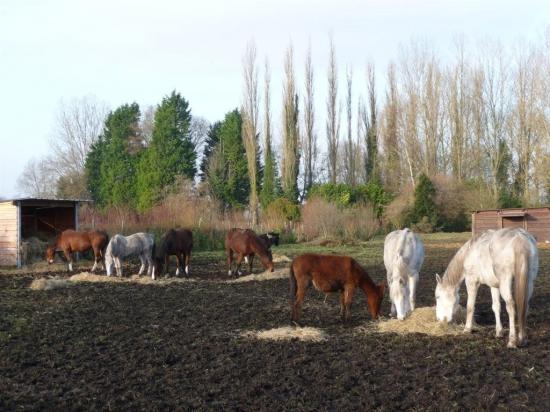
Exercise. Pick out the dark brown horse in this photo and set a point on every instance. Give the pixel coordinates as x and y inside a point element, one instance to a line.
<point>270,239</point>
<point>175,242</point>
<point>70,241</point>
<point>330,273</point>
<point>246,243</point>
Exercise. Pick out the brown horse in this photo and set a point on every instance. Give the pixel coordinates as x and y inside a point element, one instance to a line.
<point>70,241</point>
<point>175,242</point>
<point>330,273</point>
<point>245,243</point>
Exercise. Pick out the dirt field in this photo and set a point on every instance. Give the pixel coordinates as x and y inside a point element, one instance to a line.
<point>192,345</point>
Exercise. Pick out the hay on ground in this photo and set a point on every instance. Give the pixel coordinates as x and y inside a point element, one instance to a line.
<point>49,284</point>
<point>287,333</point>
<point>423,320</point>
<point>143,280</point>
<point>276,274</point>
<point>280,258</point>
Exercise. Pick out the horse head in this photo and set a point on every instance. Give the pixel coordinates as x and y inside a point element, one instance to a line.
<point>399,288</point>
<point>446,300</point>
<point>375,300</point>
<point>50,254</point>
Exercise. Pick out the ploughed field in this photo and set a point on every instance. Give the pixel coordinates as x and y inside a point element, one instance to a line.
<point>191,345</point>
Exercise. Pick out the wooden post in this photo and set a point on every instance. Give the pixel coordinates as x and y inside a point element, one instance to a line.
<point>18,251</point>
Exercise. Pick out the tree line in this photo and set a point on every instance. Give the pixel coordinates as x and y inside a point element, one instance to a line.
<point>478,116</point>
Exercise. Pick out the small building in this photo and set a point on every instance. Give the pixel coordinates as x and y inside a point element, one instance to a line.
<point>536,220</point>
<point>21,219</point>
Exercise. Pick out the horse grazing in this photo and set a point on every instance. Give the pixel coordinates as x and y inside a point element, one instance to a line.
<point>330,273</point>
<point>495,258</point>
<point>178,242</point>
<point>246,243</point>
<point>403,258</point>
<point>270,239</point>
<point>70,241</point>
<point>140,244</point>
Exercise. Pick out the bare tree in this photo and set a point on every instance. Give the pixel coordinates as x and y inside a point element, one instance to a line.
<point>147,124</point>
<point>392,150</point>
<point>332,115</point>
<point>291,148</point>
<point>37,180</point>
<point>249,111</point>
<point>309,142</point>
<point>349,163</point>
<point>269,183</point>
<point>371,143</point>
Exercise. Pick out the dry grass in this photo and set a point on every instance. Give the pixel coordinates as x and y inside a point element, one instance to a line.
<point>423,320</point>
<point>307,334</point>
<point>143,280</point>
<point>276,274</point>
<point>49,284</point>
<point>281,258</point>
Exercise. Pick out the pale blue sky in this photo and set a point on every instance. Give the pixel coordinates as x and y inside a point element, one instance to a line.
<point>132,50</point>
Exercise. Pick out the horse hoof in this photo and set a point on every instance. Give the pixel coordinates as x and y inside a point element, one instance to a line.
<point>467,330</point>
<point>512,344</point>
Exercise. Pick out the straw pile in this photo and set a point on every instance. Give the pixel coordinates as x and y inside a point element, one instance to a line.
<point>276,274</point>
<point>144,280</point>
<point>32,250</point>
<point>49,284</point>
<point>306,334</point>
<point>281,258</point>
<point>423,320</point>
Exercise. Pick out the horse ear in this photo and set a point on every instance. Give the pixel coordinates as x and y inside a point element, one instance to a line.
<point>438,278</point>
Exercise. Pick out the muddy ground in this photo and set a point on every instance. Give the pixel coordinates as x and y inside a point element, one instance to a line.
<point>131,346</point>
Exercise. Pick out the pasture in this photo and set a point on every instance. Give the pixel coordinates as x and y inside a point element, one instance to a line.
<point>196,344</point>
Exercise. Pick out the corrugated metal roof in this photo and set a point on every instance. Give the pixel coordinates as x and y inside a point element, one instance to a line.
<point>43,199</point>
<point>511,209</point>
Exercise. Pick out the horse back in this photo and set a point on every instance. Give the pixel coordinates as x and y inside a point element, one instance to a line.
<point>329,273</point>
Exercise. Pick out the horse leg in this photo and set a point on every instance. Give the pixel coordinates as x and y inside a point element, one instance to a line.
<point>506,293</point>
<point>342,303</point>
<point>96,259</point>
<point>69,256</point>
<point>142,267</point>
<point>187,262</point>
<point>229,261</point>
<point>301,287</point>
<point>250,263</point>
<point>393,311</point>
<point>413,282</point>
<point>495,294</point>
<point>118,264</point>
<point>348,296</point>
<point>166,263</point>
<point>239,261</point>
<point>178,262</point>
<point>471,287</point>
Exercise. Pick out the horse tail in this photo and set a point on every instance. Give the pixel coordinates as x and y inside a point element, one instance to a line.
<point>521,288</point>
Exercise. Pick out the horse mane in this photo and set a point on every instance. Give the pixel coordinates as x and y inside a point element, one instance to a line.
<point>453,273</point>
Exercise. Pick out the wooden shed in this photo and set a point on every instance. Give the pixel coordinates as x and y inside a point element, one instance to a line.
<point>22,219</point>
<point>536,220</point>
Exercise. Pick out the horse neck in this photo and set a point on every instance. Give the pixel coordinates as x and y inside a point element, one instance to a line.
<point>454,274</point>
<point>365,282</point>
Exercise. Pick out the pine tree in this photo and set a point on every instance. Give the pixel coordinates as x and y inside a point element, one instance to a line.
<point>117,167</point>
<point>212,140</point>
<point>424,201</point>
<point>170,153</point>
<point>92,169</point>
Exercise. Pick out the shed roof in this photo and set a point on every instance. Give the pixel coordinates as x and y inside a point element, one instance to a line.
<point>43,199</point>
<point>507,212</point>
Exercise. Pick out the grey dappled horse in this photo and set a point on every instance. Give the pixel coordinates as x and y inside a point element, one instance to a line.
<point>138,244</point>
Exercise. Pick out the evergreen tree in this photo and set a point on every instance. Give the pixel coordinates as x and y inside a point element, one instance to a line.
<point>212,140</point>
<point>117,167</point>
<point>170,153</point>
<point>507,196</point>
<point>227,175</point>
<point>424,201</point>
<point>269,191</point>
<point>92,168</point>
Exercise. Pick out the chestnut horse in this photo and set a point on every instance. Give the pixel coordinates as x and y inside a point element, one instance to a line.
<point>178,242</point>
<point>246,243</point>
<point>330,273</point>
<point>70,241</point>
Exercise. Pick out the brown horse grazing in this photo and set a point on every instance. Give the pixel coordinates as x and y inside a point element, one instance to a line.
<point>245,243</point>
<point>70,241</point>
<point>330,273</point>
<point>178,242</point>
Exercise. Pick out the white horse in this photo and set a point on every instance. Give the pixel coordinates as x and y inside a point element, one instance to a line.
<point>494,258</point>
<point>140,244</point>
<point>403,258</point>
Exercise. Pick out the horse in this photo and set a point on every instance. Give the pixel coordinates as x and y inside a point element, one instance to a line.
<point>331,273</point>
<point>403,258</point>
<point>140,244</point>
<point>178,242</point>
<point>70,241</point>
<point>246,244</point>
<point>270,239</point>
<point>494,258</point>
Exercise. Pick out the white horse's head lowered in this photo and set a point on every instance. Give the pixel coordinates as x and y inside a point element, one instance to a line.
<point>399,288</point>
<point>446,300</point>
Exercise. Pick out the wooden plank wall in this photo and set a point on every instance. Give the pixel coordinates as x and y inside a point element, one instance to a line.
<point>537,221</point>
<point>8,233</point>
